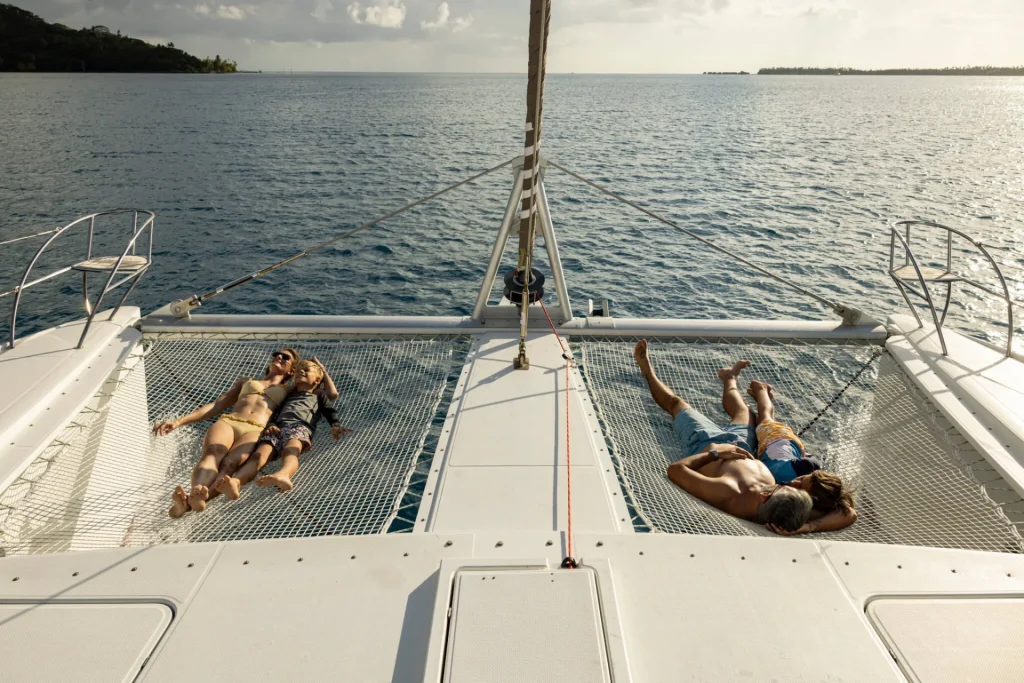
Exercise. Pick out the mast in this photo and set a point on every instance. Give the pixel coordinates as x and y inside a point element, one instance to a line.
<point>540,19</point>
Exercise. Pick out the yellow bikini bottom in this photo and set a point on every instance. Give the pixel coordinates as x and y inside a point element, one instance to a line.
<point>240,425</point>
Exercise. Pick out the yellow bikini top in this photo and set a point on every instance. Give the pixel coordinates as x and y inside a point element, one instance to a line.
<point>275,393</point>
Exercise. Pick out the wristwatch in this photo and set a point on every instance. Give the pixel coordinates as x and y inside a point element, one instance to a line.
<point>715,452</point>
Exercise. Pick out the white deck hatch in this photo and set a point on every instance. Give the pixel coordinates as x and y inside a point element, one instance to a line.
<point>510,625</point>
<point>956,640</point>
<point>82,642</point>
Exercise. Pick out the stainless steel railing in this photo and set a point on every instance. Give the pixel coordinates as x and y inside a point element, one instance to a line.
<point>137,267</point>
<point>943,276</point>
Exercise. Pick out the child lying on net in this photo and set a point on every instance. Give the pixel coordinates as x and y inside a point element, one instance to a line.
<point>288,434</point>
<point>783,454</point>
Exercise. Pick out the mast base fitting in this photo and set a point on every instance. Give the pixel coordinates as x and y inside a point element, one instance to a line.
<point>514,286</point>
<point>521,363</point>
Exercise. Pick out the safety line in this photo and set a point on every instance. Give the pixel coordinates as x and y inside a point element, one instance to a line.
<point>28,237</point>
<point>280,264</point>
<point>836,307</point>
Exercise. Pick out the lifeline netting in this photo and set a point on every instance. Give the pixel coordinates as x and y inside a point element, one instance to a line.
<point>106,482</point>
<point>917,481</point>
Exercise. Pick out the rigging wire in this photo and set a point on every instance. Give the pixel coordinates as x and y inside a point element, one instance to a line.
<point>836,307</point>
<point>280,264</point>
<point>28,237</point>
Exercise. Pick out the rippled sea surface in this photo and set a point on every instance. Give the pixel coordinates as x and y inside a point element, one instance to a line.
<point>800,174</point>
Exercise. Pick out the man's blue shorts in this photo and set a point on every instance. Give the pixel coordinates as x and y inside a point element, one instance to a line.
<point>697,432</point>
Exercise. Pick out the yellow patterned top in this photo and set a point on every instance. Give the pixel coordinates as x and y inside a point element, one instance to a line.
<point>769,431</point>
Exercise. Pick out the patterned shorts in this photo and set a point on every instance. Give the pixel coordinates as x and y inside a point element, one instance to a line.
<point>288,432</point>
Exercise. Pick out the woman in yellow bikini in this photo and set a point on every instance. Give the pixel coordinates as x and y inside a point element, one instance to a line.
<point>252,402</point>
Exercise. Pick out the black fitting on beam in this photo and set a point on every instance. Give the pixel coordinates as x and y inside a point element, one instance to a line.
<point>514,286</point>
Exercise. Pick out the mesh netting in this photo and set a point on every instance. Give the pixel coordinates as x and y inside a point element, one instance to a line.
<point>106,482</point>
<point>916,480</point>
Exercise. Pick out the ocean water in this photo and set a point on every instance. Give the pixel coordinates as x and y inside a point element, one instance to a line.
<point>800,174</point>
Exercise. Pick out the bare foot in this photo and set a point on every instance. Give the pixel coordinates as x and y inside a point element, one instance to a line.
<point>180,504</point>
<point>276,479</point>
<point>198,497</point>
<point>228,485</point>
<point>757,387</point>
<point>640,353</point>
<point>734,371</point>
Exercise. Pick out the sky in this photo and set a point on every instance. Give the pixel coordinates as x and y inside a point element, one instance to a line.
<point>587,36</point>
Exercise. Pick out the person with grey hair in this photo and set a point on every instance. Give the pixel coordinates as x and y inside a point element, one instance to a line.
<point>720,468</point>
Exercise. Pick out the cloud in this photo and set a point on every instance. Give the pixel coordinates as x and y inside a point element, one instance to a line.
<point>386,14</point>
<point>231,12</point>
<point>293,21</point>
<point>323,10</point>
<point>440,22</point>
<point>587,35</point>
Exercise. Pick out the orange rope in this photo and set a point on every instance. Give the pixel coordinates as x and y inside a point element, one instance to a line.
<point>568,450</point>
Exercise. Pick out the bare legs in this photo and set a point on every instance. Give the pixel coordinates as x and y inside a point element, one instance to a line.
<point>282,479</point>
<point>218,445</point>
<point>662,395</point>
<point>230,485</point>
<point>219,438</point>
<point>732,399</point>
<point>762,393</point>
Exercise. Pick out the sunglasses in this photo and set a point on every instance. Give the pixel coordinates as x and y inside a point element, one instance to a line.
<point>777,487</point>
<point>278,355</point>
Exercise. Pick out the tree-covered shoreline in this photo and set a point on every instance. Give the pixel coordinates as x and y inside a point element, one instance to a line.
<point>28,43</point>
<point>846,71</point>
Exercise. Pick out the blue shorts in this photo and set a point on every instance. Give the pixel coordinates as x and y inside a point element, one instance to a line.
<point>791,465</point>
<point>697,432</point>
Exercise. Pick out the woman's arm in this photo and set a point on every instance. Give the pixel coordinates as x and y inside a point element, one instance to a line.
<point>223,402</point>
<point>329,388</point>
<point>833,521</point>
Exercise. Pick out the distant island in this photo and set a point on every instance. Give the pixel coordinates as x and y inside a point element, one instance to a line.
<point>27,43</point>
<point>726,73</point>
<point>844,71</point>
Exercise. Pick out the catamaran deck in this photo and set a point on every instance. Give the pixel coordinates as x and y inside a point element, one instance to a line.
<point>448,438</point>
<point>452,494</point>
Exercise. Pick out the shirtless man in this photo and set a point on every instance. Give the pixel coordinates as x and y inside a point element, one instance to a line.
<point>719,468</point>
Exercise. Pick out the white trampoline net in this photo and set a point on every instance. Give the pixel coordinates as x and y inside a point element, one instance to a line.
<point>916,479</point>
<point>106,481</point>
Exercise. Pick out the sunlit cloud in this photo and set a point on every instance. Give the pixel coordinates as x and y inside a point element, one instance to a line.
<point>607,36</point>
<point>440,21</point>
<point>231,12</point>
<point>386,14</point>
